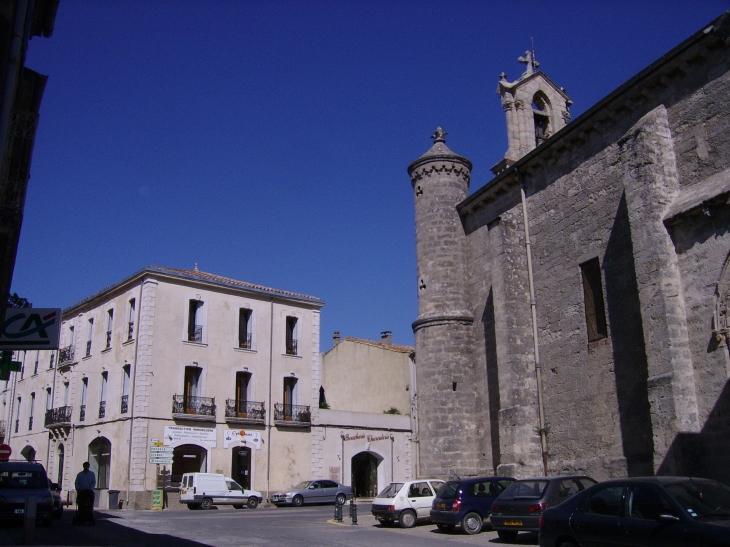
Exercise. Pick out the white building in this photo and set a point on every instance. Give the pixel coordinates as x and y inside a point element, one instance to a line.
<point>225,374</point>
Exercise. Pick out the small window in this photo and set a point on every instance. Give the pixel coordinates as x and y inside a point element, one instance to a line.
<point>88,338</point>
<point>49,399</point>
<point>244,328</point>
<point>606,501</point>
<point>109,324</point>
<point>195,321</point>
<point>37,357</point>
<point>50,364</point>
<point>31,410</point>
<point>291,336</point>
<point>593,297</point>
<point>130,319</point>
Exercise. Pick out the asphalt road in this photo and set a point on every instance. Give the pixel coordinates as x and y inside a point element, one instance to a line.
<point>289,527</point>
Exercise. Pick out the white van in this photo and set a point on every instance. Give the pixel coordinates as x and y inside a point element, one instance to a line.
<point>405,502</point>
<point>204,490</point>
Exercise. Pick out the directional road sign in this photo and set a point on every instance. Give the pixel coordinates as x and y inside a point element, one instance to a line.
<point>166,461</point>
<point>162,449</point>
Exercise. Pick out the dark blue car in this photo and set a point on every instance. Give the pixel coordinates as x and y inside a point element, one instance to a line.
<point>467,503</point>
<point>642,512</point>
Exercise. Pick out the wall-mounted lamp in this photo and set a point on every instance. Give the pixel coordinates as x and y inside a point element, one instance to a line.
<point>245,368</point>
<point>195,364</point>
<point>292,374</point>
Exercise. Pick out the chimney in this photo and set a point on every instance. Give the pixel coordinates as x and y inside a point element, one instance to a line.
<point>335,338</point>
<point>386,337</point>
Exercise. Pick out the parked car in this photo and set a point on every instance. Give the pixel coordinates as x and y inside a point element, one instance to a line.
<point>467,503</point>
<point>19,479</point>
<point>405,502</point>
<point>316,491</point>
<point>204,490</point>
<point>519,507</point>
<point>642,511</point>
<point>57,501</point>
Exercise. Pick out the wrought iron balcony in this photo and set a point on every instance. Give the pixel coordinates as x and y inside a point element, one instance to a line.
<point>130,330</point>
<point>245,341</point>
<point>195,334</point>
<point>108,339</point>
<point>292,415</point>
<point>82,413</point>
<point>66,356</point>
<point>88,348</point>
<point>102,409</point>
<point>58,417</point>
<point>125,404</point>
<point>193,408</point>
<point>238,410</point>
<point>291,347</point>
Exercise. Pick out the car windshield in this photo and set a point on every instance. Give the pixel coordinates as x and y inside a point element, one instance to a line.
<point>448,491</point>
<point>23,479</point>
<point>391,490</point>
<point>302,485</point>
<point>529,489</point>
<point>702,498</point>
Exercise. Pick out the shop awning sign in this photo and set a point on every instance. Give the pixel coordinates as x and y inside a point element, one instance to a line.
<point>31,328</point>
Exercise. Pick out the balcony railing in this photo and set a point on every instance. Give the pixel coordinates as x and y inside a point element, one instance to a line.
<point>108,339</point>
<point>245,410</point>
<point>204,407</point>
<point>57,417</point>
<point>125,404</point>
<point>291,347</point>
<point>130,330</point>
<point>88,348</point>
<point>296,414</point>
<point>66,356</point>
<point>196,334</point>
<point>245,341</point>
<point>102,409</point>
<point>82,413</point>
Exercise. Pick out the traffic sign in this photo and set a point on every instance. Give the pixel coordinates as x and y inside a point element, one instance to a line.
<point>5,451</point>
<point>162,449</point>
<point>166,461</point>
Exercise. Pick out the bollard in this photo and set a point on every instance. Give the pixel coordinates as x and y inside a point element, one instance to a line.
<point>29,518</point>
<point>353,512</point>
<point>338,512</point>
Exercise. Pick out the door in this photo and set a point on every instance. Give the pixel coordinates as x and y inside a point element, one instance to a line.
<point>290,385</point>
<point>596,519</point>
<point>188,458</point>
<point>242,380</point>
<point>363,476</point>
<point>420,498</point>
<point>316,493</point>
<point>192,389</point>
<point>241,466</point>
<point>641,525</point>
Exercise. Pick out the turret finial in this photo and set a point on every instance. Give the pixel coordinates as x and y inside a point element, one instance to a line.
<point>530,61</point>
<point>439,135</point>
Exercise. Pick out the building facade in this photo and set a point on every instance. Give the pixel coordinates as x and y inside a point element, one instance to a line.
<point>573,310</point>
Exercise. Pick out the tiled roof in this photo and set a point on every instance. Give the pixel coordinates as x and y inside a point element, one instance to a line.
<point>197,275</point>
<point>391,347</point>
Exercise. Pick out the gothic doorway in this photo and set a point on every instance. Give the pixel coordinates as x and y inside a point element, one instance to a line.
<point>188,458</point>
<point>241,466</point>
<point>364,475</point>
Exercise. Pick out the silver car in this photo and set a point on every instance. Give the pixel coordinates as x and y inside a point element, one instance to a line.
<point>316,491</point>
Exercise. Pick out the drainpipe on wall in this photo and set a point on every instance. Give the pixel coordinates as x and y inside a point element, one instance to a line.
<point>271,372</point>
<point>134,383</point>
<point>533,309</point>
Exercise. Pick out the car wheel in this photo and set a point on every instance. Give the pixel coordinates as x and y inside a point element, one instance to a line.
<point>297,501</point>
<point>507,535</point>
<point>445,527</point>
<point>407,519</point>
<point>238,506</point>
<point>252,503</point>
<point>386,522</point>
<point>207,503</point>
<point>471,523</point>
<point>340,499</point>
<point>193,506</point>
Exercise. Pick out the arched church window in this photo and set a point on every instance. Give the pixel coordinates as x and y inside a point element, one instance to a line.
<point>541,115</point>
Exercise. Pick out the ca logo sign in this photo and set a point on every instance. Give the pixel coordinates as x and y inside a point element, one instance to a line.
<point>31,328</point>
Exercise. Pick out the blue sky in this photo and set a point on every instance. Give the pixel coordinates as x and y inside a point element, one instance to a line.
<point>268,141</point>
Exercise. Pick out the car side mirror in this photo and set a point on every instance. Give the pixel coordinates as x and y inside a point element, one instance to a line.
<point>310,487</point>
<point>668,518</point>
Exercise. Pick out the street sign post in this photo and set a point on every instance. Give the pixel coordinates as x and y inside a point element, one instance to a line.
<point>161,461</point>
<point>161,449</point>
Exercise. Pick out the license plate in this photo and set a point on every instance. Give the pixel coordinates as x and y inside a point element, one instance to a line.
<point>19,511</point>
<point>513,523</point>
<point>441,505</point>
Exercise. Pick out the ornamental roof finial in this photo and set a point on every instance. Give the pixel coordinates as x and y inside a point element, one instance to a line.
<point>439,135</point>
<point>530,61</point>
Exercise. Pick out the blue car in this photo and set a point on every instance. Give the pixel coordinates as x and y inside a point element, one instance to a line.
<point>467,503</point>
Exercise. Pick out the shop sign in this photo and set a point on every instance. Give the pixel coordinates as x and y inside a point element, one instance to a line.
<point>361,436</point>
<point>248,438</point>
<point>176,435</point>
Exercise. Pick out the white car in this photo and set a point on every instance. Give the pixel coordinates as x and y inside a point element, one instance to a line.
<point>406,502</point>
<point>204,490</point>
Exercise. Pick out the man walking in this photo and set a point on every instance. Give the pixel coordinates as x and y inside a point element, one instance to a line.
<point>85,480</point>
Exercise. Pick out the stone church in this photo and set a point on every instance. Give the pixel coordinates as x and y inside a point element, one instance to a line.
<point>573,311</point>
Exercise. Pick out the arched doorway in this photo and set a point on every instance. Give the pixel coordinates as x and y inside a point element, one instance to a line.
<point>100,460</point>
<point>364,475</point>
<point>60,453</point>
<point>241,466</point>
<point>188,458</point>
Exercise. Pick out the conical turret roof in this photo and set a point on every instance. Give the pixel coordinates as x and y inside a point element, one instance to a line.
<point>439,152</point>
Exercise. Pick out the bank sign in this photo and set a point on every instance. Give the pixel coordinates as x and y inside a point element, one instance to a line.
<point>31,328</point>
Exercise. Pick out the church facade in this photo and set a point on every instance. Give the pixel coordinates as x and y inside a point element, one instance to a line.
<point>573,311</point>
